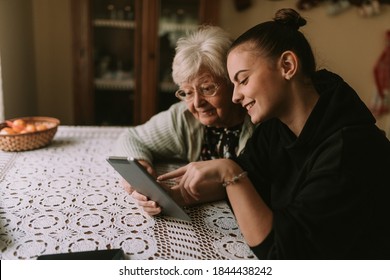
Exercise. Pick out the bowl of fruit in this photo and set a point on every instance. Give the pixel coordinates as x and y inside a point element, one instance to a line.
<point>27,133</point>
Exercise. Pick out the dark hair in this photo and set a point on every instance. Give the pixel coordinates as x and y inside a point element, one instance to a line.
<point>273,38</point>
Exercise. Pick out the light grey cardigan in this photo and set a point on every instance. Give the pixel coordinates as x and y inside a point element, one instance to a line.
<point>171,134</point>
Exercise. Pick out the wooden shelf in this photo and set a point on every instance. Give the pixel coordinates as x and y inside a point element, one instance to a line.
<point>166,27</point>
<point>125,24</point>
<point>110,84</point>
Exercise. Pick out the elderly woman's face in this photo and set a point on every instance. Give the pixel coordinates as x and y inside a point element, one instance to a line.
<point>217,110</point>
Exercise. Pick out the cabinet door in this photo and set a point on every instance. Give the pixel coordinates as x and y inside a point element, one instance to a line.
<point>175,20</point>
<point>172,19</point>
<point>114,49</point>
<point>105,38</point>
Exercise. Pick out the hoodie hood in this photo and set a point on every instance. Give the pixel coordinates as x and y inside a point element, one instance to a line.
<point>339,106</point>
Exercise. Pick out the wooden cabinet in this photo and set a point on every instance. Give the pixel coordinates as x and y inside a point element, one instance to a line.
<point>123,51</point>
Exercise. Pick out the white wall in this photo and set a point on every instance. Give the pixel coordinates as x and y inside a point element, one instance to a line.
<point>347,44</point>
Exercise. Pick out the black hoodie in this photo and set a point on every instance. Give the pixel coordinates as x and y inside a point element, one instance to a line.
<point>329,188</point>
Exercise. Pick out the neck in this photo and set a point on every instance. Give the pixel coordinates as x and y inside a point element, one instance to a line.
<point>303,101</point>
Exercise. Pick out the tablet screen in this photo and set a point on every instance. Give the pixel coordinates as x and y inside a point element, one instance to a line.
<point>136,175</point>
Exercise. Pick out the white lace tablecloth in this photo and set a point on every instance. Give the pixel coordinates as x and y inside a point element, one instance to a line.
<point>67,198</point>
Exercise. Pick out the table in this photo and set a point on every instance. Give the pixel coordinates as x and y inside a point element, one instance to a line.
<point>67,198</point>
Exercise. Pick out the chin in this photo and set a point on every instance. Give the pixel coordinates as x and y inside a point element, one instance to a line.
<point>255,120</point>
<point>208,121</point>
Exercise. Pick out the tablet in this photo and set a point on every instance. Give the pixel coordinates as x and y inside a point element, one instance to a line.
<point>137,176</point>
<point>112,254</point>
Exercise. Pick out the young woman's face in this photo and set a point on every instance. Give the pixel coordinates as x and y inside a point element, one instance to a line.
<point>259,85</point>
<point>217,110</point>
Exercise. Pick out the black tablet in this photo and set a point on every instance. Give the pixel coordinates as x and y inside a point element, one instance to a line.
<point>113,254</point>
<point>137,176</point>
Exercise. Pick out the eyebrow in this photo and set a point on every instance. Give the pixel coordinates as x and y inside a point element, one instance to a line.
<point>202,81</point>
<point>235,78</point>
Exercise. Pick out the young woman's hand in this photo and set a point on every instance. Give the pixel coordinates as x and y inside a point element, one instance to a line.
<point>202,180</point>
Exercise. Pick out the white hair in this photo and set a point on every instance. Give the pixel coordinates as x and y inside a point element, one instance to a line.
<point>205,48</point>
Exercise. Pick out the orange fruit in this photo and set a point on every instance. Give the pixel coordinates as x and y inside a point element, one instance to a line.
<point>41,127</point>
<point>30,128</point>
<point>18,125</point>
<point>19,122</point>
<point>7,131</point>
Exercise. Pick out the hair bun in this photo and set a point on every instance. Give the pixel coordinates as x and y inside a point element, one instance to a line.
<point>289,17</point>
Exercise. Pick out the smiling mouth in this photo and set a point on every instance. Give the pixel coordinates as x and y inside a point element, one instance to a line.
<point>208,112</point>
<point>249,105</point>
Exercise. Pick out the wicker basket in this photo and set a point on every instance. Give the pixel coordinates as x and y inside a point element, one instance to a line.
<point>30,140</point>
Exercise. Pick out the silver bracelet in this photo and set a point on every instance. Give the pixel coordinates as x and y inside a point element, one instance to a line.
<point>235,179</point>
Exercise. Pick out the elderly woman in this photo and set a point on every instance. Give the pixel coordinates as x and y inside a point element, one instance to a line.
<point>205,125</point>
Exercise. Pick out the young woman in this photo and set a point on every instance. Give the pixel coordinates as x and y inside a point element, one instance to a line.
<point>312,182</point>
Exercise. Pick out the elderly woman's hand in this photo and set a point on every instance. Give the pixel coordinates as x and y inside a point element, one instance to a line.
<point>151,207</point>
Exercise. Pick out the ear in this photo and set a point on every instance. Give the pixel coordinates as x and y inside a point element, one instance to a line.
<point>289,64</point>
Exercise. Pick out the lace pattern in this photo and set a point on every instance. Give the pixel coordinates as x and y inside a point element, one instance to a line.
<point>67,198</point>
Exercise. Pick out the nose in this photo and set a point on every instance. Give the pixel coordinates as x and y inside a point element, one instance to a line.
<point>198,99</point>
<point>237,96</point>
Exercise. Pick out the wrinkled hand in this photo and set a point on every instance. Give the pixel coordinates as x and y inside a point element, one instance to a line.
<point>152,207</point>
<point>149,206</point>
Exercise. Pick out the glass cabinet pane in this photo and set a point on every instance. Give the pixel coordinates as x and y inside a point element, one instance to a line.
<point>113,33</point>
<point>176,19</point>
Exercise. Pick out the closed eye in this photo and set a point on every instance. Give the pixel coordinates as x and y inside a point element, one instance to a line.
<point>244,81</point>
<point>207,89</point>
